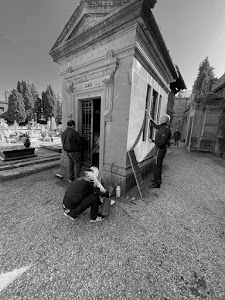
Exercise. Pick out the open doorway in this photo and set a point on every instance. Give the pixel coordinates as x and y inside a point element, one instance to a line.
<point>91,120</point>
<point>96,132</point>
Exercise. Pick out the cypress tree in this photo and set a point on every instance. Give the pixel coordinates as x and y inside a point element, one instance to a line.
<point>58,116</point>
<point>16,108</point>
<point>28,100</point>
<point>49,103</point>
<point>205,78</point>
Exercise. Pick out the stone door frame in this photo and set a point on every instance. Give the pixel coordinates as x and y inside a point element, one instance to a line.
<point>77,98</point>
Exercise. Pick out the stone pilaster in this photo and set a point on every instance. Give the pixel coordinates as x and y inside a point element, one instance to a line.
<point>108,80</point>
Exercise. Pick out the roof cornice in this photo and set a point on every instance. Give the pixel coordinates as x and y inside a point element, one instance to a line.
<point>219,84</point>
<point>151,27</point>
<point>143,57</point>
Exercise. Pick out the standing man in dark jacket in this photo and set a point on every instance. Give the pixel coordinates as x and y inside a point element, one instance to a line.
<point>162,140</point>
<point>72,145</point>
<point>176,137</point>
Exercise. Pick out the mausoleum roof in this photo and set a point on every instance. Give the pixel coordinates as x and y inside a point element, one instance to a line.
<point>209,95</point>
<point>219,84</point>
<point>210,99</point>
<point>87,14</point>
<point>94,20</point>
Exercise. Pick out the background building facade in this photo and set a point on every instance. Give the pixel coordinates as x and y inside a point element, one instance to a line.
<point>205,120</point>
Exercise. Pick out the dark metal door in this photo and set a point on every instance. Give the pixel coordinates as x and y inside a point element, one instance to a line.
<point>87,131</point>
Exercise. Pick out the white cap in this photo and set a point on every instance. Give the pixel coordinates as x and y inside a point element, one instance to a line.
<point>95,171</point>
<point>164,119</point>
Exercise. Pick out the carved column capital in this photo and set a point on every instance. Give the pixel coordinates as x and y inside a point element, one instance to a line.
<point>108,115</point>
<point>70,87</point>
<point>108,79</point>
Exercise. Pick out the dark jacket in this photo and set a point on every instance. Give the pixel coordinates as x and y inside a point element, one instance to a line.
<point>78,189</point>
<point>176,135</point>
<point>71,140</point>
<point>163,135</point>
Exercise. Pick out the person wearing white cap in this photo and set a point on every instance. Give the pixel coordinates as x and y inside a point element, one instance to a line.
<point>176,137</point>
<point>82,193</point>
<point>162,140</point>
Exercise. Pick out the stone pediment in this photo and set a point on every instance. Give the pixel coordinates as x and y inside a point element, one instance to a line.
<point>87,14</point>
<point>96,20</point>
<point>87,21</point>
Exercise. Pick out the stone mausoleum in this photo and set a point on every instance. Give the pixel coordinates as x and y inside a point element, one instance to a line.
<point>205,120</point>
<point>114,65</point>
<point>204,115</point>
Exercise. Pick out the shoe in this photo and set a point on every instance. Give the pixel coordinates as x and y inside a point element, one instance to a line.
<point>155,185</point>
<point>112,202</point>
<point>70,217</point>
<point>98,219</point>
<point>70,181</point>
<point>58,175</point>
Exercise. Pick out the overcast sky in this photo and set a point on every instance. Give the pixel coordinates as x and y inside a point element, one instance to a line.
<point>192,30</point>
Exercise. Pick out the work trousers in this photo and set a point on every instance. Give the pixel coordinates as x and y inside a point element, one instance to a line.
<point>74,165</point>
<point>175,142</point>
<point>92,201</point>
<point>157,168</point>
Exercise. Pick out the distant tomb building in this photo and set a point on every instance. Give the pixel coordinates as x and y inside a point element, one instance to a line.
<point>219,88</point>
<point>178,115</point>
<point>206,120</point>
<point>114,65</point>
<point>4,104</point>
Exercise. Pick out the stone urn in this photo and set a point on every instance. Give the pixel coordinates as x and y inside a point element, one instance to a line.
<point>27,143</point>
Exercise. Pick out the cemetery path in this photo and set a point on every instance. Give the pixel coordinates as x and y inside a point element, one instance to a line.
<point>170,245</point>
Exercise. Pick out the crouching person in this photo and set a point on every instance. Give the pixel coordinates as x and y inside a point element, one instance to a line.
<point>82,193</point>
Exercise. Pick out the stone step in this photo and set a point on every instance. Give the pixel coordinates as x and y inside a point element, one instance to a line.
<point>19,172</point>
<point>18,164</point>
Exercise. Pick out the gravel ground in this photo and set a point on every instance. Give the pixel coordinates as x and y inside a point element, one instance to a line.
<point>170,245</point>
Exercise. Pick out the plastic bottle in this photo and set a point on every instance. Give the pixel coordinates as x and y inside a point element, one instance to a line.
<point>118,191</point>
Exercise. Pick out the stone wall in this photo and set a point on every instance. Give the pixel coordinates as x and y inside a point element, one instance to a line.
<point>207,114</point>
<point>140,80</point>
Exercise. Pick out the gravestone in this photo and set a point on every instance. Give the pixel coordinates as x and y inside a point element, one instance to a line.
<point>16,152</point>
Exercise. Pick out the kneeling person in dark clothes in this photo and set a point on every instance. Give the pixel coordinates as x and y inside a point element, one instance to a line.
<point>82,193</point>
<point>162,141</point>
